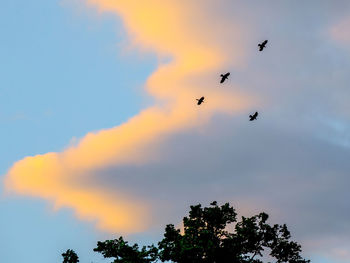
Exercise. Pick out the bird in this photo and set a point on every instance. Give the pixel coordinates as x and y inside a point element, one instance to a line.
<point>262,45</point>
<point>254,116</point>
<point>224,77</point>
<point>200,101</point>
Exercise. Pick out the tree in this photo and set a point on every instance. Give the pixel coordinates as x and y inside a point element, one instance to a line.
<point>206,238</point>
<point>70,257</point>
<point>123,253</point>
<point>212,235</point>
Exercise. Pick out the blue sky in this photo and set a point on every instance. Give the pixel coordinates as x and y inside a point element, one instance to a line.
<point>61,67</point>
<point>68,70</point>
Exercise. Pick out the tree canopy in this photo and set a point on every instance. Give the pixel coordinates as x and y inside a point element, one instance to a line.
<point>70,257</point>
<point>212,235</point>
<point>124,253</point>
<point>207,238</point>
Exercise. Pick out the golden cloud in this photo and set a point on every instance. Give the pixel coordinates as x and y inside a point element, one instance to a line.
<point>167,28</point>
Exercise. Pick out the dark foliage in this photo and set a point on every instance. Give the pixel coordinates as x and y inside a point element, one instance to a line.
<point>70,257</point>
<point>124,253</point>
<point>207,239</point>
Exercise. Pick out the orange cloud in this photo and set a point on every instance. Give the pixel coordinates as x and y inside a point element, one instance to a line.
<point>168,28</point>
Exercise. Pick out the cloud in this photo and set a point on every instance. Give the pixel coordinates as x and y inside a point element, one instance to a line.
<point>291,163</point>
<point>169,29</point>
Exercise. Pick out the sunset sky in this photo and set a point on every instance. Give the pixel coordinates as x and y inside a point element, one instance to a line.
<point>101,135</point>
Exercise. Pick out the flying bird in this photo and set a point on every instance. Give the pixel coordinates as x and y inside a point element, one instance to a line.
<point>200,101</point>
<point>224,77</point>
<point>262,45</point>
<point>254,116</point>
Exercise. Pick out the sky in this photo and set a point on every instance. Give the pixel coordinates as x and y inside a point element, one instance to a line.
<point>101,135</point>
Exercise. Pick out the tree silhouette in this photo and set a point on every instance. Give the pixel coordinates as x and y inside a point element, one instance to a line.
<point>206,238</point>
<point>70,257</point>
<point>124,253</point>
<point>211,235</point>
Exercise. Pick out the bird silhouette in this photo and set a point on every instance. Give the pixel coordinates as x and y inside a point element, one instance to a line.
<point>224,77</point>
<point>254,116</point>
<point>262,45</point>
<point>200,101</point>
